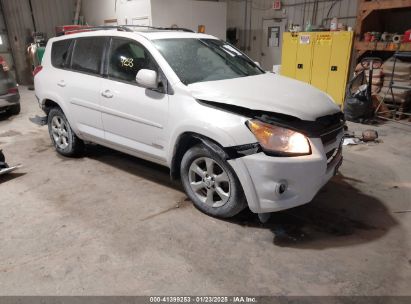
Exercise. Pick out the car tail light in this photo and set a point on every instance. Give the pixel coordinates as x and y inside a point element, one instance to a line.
<point>37,70</point>
<point>4,64</point>
<point>13,90</point>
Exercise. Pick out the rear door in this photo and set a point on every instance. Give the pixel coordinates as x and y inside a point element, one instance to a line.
<point>83,83</point>
<point>133,117</point>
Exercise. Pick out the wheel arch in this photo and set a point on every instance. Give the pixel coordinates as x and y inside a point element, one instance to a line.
<point>49,104</point>
<point>185,142</point>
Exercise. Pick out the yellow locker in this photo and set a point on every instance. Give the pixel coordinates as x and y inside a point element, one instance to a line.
<point>321,60</point>
<point>339,65</point>
<point>304,56</point>
<point>289,54</point>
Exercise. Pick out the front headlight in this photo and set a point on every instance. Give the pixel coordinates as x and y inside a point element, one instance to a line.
<point>278,140</point>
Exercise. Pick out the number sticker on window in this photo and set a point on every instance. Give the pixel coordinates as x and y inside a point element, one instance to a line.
<point>127,62</point>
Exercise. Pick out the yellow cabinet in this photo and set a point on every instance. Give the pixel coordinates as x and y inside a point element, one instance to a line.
<point>319,58</point>
<point>304,57</point>
<point>289,55</point>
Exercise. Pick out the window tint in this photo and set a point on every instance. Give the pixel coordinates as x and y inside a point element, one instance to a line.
<point>126,58</point>
<point>59,52</point>
<point>88,54</point>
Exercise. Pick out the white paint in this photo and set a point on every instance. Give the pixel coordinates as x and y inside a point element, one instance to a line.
<point>183,13</point>
<point>148,124</point>
<point>190,14</point>
<point>96,11</point>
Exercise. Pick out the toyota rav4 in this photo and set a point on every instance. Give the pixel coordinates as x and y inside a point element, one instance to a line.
<point>234,134</point>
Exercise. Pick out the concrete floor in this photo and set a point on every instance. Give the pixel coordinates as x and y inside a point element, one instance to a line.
<point>111,224</point>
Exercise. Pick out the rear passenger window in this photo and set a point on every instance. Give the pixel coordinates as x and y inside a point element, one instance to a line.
<point>59,53</point>
<point>126,58</point>
<point>88,54</point>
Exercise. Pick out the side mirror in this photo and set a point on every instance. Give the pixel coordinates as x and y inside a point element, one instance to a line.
<point>147,79</point>
<point>257,64</point>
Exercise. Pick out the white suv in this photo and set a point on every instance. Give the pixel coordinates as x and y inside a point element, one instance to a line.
<point>234,134</point>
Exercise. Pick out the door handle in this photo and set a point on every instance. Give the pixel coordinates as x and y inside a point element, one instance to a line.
<point>107,94</point>
<point>61,83</point>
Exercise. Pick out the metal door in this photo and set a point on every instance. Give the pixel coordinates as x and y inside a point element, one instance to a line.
<point>321,60</point>
<point>339,65</point>
<point>271,43</point>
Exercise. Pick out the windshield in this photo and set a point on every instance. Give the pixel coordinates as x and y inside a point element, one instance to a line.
<point>198,60</point>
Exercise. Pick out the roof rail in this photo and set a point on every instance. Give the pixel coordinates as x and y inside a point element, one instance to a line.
<point>106,27</point>
<point>126,28</point>
<point>182,29</point>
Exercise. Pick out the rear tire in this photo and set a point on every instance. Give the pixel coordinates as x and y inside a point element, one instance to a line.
<point>15,109</point>
<point>62,136</point>
<point>211,183</point>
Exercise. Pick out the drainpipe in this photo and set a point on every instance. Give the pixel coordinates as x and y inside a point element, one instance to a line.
<point>77,14</point>
<point>245,26</point>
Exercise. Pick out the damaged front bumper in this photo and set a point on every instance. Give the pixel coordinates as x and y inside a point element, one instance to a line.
<point>276,183</point>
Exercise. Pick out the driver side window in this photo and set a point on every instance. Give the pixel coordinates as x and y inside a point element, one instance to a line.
<point>126,58</point>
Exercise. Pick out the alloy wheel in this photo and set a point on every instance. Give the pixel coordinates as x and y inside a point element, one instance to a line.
<point>59,132</point>
<point>209,182</point>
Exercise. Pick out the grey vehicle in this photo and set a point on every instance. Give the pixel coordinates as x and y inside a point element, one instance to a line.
<point>9,92</point>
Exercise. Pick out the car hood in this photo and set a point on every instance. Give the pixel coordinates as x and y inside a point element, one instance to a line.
<point>267,92</point>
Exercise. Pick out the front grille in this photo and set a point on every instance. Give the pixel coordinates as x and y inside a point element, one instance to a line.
<point>330,154</point>
<point>333,154</point>
<point>330,136</point>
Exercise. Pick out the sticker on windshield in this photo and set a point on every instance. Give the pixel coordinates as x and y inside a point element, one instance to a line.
<point>231,50</point>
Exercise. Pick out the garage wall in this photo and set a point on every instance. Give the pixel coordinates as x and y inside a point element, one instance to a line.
<point>249,21</point>
<point>184,13</point>
<point>96,11</point>
<point>191,14</point>
<point>50,13</point>
<point>47,14</point>
<point>5,49</point>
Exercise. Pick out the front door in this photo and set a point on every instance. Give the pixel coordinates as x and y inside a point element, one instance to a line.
<point>133,117</point>
<point>271,43</point>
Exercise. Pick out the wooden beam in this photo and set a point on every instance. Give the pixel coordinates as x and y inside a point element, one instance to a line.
<point>384,4</point>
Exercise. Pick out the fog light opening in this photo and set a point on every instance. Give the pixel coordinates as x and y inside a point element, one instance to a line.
<point>281,187</point>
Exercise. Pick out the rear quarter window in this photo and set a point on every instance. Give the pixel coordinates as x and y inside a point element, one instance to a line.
<point>59,53</point>
<point>88,54</point>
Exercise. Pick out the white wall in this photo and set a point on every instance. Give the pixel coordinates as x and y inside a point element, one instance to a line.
<point>184,13</point>
<point>190,14</point>
<point>96,11</point>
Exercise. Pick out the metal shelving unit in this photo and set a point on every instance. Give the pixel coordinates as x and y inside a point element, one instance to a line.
<point>395,107</point>
<point>365,10</point>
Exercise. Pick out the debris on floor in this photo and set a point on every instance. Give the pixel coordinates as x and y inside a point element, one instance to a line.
<point>351,141</point>
<point>39,120</point>
<point>368,136</point>
<point>4,167</point>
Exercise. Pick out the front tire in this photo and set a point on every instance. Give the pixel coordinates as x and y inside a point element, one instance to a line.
<point>62,136</point>
<point>211,183</point>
